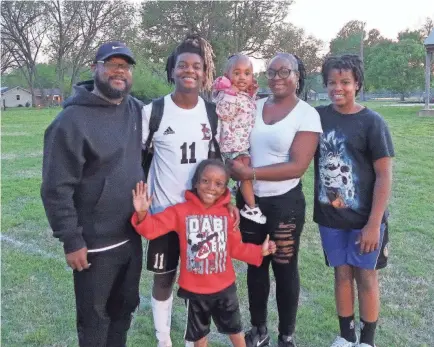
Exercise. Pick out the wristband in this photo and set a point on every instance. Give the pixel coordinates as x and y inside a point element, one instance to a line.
<point>254,175</point>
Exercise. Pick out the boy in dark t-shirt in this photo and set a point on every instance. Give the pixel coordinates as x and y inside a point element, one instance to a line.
<point>353,177</point>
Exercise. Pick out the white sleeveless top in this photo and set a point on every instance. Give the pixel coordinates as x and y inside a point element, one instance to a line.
<point>270,144</point>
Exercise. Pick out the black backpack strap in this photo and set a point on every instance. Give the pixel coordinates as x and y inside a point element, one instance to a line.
<point>213,121</point>
<point>155,119</point>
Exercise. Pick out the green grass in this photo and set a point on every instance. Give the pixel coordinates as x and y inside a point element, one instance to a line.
<point>37,292</point>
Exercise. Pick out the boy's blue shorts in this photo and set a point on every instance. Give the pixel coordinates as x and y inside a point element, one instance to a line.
<point>340,248</point>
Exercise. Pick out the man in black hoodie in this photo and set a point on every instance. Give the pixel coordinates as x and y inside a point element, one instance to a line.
<point>92,161</point>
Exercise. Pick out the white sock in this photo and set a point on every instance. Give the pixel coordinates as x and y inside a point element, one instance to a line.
<point>162,313</point>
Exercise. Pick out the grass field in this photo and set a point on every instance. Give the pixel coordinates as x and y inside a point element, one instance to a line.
<point>37,292</point>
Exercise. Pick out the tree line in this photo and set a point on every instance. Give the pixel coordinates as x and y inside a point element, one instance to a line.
<point>65,34</point>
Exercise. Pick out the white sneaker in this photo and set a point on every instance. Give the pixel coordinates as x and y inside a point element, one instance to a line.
<point>164,344</point>
<point>341,342</point>
<point>253,214</point>
<point>364,345</point>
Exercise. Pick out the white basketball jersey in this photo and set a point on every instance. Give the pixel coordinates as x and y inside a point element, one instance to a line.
<point>180,144</point>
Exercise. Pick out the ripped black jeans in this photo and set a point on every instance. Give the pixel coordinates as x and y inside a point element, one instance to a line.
<point>285,220</point>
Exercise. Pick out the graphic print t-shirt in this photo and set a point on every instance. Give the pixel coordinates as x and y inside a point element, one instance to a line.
<point>344,166</point>
<point>206,244</point>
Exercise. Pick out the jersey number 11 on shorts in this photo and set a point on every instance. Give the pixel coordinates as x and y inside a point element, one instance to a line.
<point>159,259</point>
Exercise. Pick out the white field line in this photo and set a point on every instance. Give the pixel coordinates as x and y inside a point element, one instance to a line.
<point>33,249</point>
<point>13,156</point>
<point>28,248</point>
<point>17,133</point>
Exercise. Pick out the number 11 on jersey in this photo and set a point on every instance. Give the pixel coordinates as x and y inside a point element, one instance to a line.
<point>192,148</point>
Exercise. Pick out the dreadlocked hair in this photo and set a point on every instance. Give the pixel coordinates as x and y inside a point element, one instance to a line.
<point>197,45</point>
<point>201,168</point>
<point>298,65</point>
<point>349,62</point>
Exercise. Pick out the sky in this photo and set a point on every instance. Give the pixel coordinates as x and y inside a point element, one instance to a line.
<point>324,18</point>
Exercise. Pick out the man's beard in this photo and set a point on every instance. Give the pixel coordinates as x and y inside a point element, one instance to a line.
<point>108,91</point>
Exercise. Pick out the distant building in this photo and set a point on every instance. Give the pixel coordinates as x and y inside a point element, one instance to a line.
<point>48,97</point>
<point>15,97</point>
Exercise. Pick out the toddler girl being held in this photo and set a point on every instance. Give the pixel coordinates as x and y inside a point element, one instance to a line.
<point>234,95</point>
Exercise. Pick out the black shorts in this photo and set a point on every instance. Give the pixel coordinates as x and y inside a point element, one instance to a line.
<point>162,254</point>
<point>223,308</point>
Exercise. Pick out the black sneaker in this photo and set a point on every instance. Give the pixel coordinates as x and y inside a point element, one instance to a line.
<point>257,337</point>
<point>286,341</point>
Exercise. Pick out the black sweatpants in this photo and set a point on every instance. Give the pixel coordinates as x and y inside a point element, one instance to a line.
<point>285,220</point>
<point>107,294</point>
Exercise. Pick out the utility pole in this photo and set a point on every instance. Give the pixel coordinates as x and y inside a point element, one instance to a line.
<point>361,91</point>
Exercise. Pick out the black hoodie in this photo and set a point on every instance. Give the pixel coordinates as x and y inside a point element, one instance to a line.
<point>92,161</point>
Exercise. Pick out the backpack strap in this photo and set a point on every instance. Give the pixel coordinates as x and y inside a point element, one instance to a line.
<point>155,119</point>
<point>213,121</point>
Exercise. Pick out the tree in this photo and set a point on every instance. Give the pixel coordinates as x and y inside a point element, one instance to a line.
<point>427,27</point>
<point>63,17</point>
<point>23,31</point>
<point>420,34</point>
<point>413,35</point>
<point>7,57</point>
<point>46,77</point>
<point>147,83</point>
<point>14,78</point>
<point>98,22</point>
<point>290,39</point>
<point>230,26</point>
<point>348,39</point>
<point>374,37</point>
<point>353,39</point>
<point>261,79</point>
<point>396,66</point>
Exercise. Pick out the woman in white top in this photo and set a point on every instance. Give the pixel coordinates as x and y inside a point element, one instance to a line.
<point>283,143</point>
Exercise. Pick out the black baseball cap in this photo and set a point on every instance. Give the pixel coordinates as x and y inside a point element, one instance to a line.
<point>111,49</point>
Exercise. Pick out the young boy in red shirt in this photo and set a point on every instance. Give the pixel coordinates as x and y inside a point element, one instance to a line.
<point>208,243</point>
